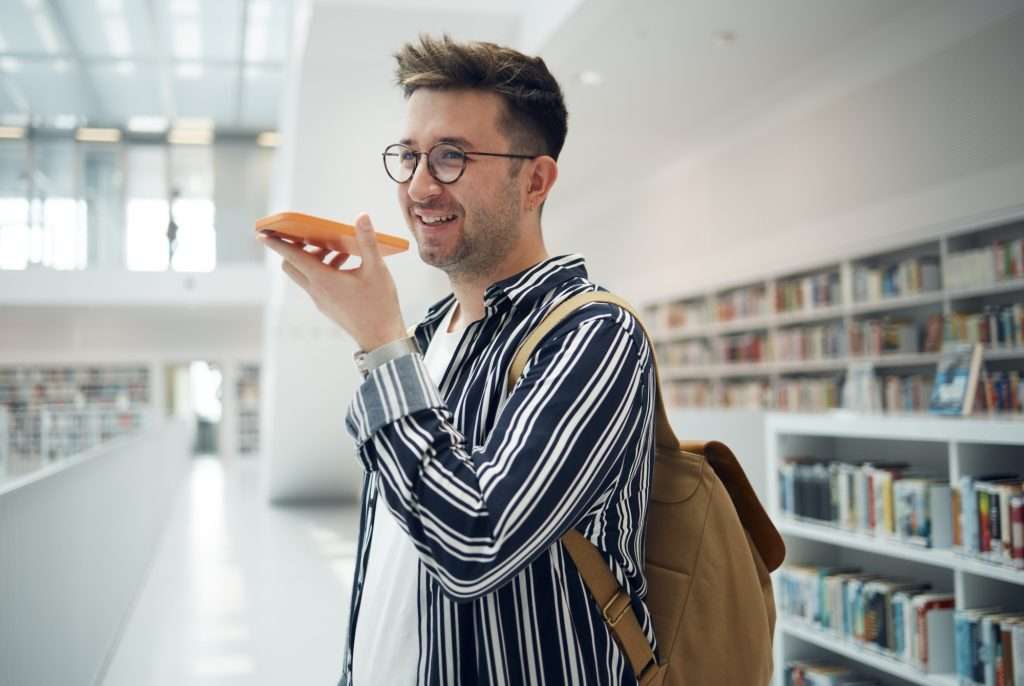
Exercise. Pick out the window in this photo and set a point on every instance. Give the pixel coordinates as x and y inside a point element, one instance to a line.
<point>14,207</point>
<point>57,231</point>
<point>192,208</point>
<point>146,219</point>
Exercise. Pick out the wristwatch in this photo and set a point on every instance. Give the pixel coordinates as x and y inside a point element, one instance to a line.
<point>368,361</point>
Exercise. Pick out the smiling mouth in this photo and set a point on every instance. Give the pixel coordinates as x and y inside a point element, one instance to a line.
<point>436,221</point>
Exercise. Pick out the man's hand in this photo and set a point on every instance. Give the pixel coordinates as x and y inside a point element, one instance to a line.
<point>362,301</point>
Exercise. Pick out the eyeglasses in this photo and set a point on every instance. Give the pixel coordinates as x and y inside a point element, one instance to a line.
<point>445,161</point>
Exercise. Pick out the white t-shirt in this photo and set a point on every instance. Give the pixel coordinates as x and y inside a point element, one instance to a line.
<point>386,647</point>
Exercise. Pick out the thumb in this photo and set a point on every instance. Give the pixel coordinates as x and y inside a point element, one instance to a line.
<point>367,240</point>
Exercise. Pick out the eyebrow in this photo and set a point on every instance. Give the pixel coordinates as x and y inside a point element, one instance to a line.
<point>457,140</point>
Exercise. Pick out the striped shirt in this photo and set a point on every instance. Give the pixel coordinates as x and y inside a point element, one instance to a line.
<point>485,482</point>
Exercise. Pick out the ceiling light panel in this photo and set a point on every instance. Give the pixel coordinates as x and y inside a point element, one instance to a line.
<point>213,95</point>
<point>115,27</point>
<point>110,28</point>
<point>50,93</point>
<point>98,135</point>
<point>47,33</point>
<point>127,88</point>
<point>147,124</point>
<point>222,30</point>
<point>12,132</point>
<point>18,22</point>
<point>187,40</point>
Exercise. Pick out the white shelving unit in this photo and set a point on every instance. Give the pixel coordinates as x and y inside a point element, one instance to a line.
<point>944,446</point>
<point>835,298</point>
<point>248,389</point>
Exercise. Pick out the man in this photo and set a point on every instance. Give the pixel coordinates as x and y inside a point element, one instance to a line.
<point>461,577</point>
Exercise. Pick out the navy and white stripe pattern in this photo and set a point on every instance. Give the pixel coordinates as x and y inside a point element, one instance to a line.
<point>486,482</point>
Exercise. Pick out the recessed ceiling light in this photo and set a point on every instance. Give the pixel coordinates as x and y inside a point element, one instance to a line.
<point>269,139</point>
<point>591,78</point>
<point>12,131</point>
<point>190,136</point>
<point>202,123</point>
<point>147,124</point>
<point>87,135</point>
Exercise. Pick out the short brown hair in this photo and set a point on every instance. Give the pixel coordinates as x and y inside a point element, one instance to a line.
<point>535,115</point>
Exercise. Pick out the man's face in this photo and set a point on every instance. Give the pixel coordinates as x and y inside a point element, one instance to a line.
<point>485,204</point>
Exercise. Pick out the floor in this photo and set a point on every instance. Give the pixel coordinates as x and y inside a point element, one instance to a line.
<point>240,592</point>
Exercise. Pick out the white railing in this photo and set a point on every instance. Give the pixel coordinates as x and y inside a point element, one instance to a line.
<point>33,438</point>
<point>76,538</point>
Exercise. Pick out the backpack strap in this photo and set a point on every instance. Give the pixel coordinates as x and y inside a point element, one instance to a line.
<point>613,601</point>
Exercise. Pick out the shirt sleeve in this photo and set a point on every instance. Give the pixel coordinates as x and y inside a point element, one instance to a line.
<point>580,414</point>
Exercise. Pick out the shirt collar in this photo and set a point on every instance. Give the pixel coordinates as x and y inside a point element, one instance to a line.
<point>537,280</point>
<point>525,286</point>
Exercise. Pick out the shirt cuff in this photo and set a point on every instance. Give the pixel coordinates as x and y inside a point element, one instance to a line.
<point>397,388</point>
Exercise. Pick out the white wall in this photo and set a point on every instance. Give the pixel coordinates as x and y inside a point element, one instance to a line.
<point>937,142</point>
<point>335,127</point>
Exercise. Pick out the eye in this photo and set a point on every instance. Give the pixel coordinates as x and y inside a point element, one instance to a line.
<point>452,155</point>
<point>406,155</point>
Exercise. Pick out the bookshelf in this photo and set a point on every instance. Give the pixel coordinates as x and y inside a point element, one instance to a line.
<point>248,390</point>
<point>51,412</point>
<point>946,448</point>
<point>788,341</point>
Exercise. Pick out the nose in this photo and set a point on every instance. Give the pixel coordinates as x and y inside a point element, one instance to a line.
<point>423,185</point>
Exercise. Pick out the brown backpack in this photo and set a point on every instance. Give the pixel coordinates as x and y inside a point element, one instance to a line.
<point>710,548</point>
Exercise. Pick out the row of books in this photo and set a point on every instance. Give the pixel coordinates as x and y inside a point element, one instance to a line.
<point>906,393</point>
<point>902,618</point>
<point>811,342</point>
<point>818,290</point>
<point>988,517</point>
<point>981,266</point>
<point>685,353</point>
<point>808,394</point>
<point>980,515</point>
<point>823,673</point>
<point>893,336</point>
<point>747,347</point>
<point>679,315</point>
<point>880,498</point>
<point>751,301</point>
<point>999,391</point>
<point>989,647</point>
<point>994,327</point>
<point>912,275</point>
<point>688,394</point>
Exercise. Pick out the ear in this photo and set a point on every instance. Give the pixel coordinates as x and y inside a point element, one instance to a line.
<point>542,176</point>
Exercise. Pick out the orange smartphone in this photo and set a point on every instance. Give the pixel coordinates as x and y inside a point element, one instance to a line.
<point>324,233</point>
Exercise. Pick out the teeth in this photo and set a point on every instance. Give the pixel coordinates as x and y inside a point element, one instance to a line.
<point>436,220</point>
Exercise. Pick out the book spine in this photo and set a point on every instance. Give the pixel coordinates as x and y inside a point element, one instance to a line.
<point>1017,529</point>
<point>984,520</point>
<point>957,541</point>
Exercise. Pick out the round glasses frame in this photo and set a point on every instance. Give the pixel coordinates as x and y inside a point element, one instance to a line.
<point>397,149</point>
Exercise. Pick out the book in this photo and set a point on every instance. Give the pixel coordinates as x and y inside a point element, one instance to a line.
<point>956,380</point>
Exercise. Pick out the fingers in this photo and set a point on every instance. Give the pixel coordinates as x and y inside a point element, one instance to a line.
<point>365,236</point>
<point>338,260</point>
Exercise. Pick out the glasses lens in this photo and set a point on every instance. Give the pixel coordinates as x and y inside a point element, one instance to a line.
<point>399,162</point>
<point>447,161</point>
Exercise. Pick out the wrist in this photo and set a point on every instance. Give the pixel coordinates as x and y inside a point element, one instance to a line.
<point>368,360</point>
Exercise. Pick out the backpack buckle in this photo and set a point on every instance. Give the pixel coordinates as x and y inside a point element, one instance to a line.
<point>615,608</point>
